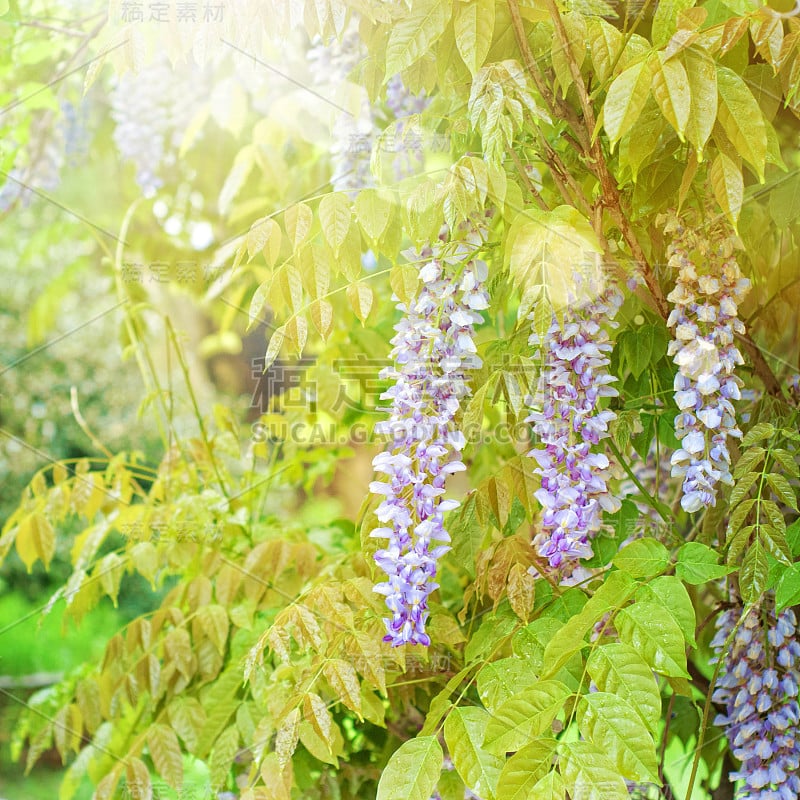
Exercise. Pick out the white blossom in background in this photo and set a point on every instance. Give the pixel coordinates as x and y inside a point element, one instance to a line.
<point>704,321</point>
<point>152,109</point>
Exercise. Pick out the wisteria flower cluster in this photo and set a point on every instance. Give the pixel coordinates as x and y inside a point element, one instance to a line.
<point>433,351</point>
<point>332,65</point>
<point>152,109</point>
<point>706,298</point>
<point>571,423</point>
<point>355,133</point>
<point>758,685</point>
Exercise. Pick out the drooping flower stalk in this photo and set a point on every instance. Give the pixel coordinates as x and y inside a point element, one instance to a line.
<point>704,320</point>
<point>433,351</point>
<point>758,684</point>
<point>571,423</point>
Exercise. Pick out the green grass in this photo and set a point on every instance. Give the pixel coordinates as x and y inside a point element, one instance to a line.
<point>31,643</point>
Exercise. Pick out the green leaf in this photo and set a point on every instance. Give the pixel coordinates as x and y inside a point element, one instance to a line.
<point>783,489</point>
<point>588,774</point>
<point>788,591</point>
<point>742,119</point>
<point>298,219</point>
<point>412,36</point>
<point>541,243</point>
<point>728,185</point>
<point>671,91</point>
<point>701,73</point>
<point>605,43</point>
<point>335,216</point>
<point>665,19</point>
<point>412,771</point>
<point>525,716</point>
<point>478,768</point>
<point>618,669</point>
<point>525,769</point>
<point>636,347</point>
<point>759,432</point>
<point>793,538</point>
<point>264,234</point>
<point>361,298</point>
<point>500,680</point>
<point>655,635</point>
<point>784,200</point>
<point>550,787</point>
<point>642,558</point>
<point>35,539</point>
<point>698,564</point>
<point>344,681</point>
<point>404,279</point>
<point>474,25</point>
<point>611,723</point>
<point>754,573</point>
<point>625,100</point>
<point>673,597</point>
<point>373,212</point>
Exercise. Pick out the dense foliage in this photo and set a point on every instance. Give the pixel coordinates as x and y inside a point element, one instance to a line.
<point>537,261</point>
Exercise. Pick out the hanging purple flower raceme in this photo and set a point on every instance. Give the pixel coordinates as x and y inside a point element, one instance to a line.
<point>704,321</point>
<point>758,685</point>
<point>433,350</point>
<point>571,423</point>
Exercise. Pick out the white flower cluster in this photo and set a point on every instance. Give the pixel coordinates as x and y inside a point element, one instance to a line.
<point>704,321</point>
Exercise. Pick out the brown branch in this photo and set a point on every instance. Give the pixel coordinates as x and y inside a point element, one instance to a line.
<point>596,162</point>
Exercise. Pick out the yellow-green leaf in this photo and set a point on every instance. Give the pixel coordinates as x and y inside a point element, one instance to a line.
<point>728,185</point>
<point>655,635</point>
<point>287,737</point>
<point>625,100</point>
<point>344,681</point>
<point>618,669</point>
<point>412,36</point>
<point>701,73</point>
<point>316,712</point>
<point>274,346</point>
<point>613,725</point>
<point>588,775</point>
<point>463,733</point>
<point>671,91</point>
<point>404,279</point>
<point>361,297</point>
<point>742,119</point>
<point>298,219</point>
<point>335,216</point>
<point>474,25</point>
<point>525,716</point>
<point>525,769</point>
<point>412,771</point>
<point>165,751</point>
<point>373,212</point>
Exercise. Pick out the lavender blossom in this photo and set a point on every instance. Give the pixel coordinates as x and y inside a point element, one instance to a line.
<point>758,685</point>
<point>332,65</point>
<point>433,349</point>
<point>704,322</point>
<point>571,423</point>
<point>409,156</point>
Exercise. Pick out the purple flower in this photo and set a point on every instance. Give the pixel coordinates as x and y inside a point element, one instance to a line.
<point>758,686</point>
<point>433,349</point>
<point>569,421</point>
